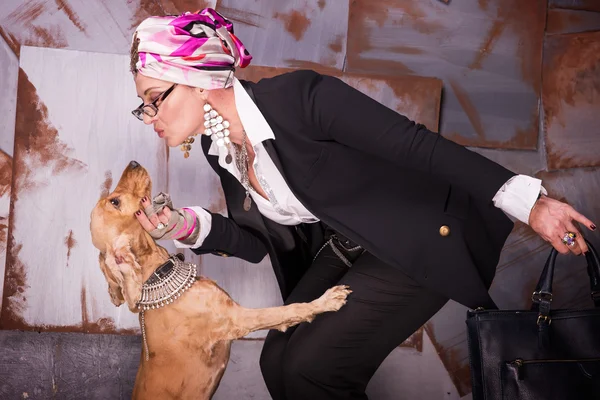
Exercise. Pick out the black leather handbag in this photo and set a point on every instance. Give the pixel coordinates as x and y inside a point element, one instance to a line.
<point>538,354</point>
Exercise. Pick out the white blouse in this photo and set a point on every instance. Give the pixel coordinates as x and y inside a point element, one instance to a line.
<point>515,198</point>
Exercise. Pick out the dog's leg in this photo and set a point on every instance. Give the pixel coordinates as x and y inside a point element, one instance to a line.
<point>246,320</point>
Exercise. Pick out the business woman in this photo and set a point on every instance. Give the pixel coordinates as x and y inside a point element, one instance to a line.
<point>336,189</point>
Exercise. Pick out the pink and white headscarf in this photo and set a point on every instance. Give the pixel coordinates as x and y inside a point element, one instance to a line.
<point>195,49</point>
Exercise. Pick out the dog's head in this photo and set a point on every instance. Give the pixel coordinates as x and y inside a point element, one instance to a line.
<point>119,236</point>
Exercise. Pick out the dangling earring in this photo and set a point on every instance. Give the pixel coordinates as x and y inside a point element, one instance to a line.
<point>217,129</point>
<point>186,146</point>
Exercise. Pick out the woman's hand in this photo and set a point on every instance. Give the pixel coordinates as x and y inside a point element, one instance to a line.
<point>552,220</point>
<point>161,221</point>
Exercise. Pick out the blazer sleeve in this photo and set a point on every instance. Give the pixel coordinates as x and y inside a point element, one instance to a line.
<point>346,115</point>
<point>226,237</point>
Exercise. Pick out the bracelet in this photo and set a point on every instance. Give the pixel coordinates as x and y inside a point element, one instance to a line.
<point>189,231</point>
<point>179,235</point>
<point>195,217</point>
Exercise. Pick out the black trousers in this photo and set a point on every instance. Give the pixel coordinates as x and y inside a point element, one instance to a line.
<point>335,356</point>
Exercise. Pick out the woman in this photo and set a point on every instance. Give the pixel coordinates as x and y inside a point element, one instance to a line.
<point>337,189</point>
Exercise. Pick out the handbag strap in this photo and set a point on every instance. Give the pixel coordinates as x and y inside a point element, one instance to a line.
<point>593,268</point>
<point>542,296</point>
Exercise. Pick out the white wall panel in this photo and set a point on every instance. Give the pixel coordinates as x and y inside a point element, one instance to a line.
<point>74,136</point>
<point>9,72</point>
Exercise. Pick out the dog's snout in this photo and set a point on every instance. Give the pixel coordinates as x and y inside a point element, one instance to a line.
<point>134,164</point>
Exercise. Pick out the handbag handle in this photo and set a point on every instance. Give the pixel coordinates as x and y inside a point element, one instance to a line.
<point>543,291</point>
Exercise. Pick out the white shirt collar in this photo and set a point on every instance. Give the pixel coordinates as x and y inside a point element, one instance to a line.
<point>256,126</point>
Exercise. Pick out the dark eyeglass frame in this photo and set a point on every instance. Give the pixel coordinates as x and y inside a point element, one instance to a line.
<point>151,109</point>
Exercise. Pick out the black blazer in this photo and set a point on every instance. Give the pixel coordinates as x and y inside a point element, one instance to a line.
<point>376,177</point>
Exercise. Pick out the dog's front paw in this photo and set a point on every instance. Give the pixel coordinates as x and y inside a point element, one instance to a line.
<point>334,298</point>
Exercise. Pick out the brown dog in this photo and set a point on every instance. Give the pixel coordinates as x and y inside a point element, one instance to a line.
<point>188,340</point>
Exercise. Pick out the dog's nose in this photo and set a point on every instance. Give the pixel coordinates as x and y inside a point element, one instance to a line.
<point>134,164</point>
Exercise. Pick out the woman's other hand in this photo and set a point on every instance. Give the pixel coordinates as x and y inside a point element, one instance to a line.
<point>162,222</point>
<point>553,219</point>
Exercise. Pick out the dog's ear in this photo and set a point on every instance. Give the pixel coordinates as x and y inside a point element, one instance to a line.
<point>127,273</point>
<point>114,289</point>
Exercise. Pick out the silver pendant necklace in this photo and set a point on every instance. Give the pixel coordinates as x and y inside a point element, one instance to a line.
<point>165,285</point>
<point>241,160</point>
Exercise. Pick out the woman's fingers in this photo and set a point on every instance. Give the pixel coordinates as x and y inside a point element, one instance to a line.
<point>579,245</point>
<point>144,221</point>
<point>557,243</point>
<point>579,239</point>
<point>149,211</point>
<point>581,219</point>
<point>162,216</point>
<point>553,219</point>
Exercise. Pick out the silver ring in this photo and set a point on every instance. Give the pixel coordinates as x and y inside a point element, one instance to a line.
<point>160,226</point>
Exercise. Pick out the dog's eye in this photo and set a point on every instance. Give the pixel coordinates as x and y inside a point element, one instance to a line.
<point>115,202</point>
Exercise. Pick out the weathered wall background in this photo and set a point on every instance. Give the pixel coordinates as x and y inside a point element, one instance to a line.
<point>517,81</point>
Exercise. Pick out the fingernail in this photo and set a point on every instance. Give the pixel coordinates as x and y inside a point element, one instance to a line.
<point>593,227</point>
<point>144,199</point>
<point>138,212</point>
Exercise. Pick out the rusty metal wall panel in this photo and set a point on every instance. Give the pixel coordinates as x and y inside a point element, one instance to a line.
<point>520,162</point>
<point>91,25</point>
<point>587,5</point>
<point>67,144</point>
<point>446,330</point>
<point>172,7</point>
<point>522,258</point>
<point>571,21</point>
<point>410,374</point>
<point>487,52</point>
<point>416,97</point>
<point>255,73</point>
<point>571,100</point>
<point>295,33</point>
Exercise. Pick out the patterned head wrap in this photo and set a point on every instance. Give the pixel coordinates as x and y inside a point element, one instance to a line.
<point>196,49</point>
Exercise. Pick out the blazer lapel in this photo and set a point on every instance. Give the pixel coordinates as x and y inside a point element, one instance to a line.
<point>270,148</point>
<point>268,144</point>
<point>234,193</point>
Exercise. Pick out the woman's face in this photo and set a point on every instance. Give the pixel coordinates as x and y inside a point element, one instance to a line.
<point>180,114</point>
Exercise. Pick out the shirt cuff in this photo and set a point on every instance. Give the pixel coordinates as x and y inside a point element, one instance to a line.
<point>517,197</point>
<point>205,221</point>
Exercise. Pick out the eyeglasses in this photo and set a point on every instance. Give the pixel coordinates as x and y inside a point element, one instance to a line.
<point>151,109</point>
